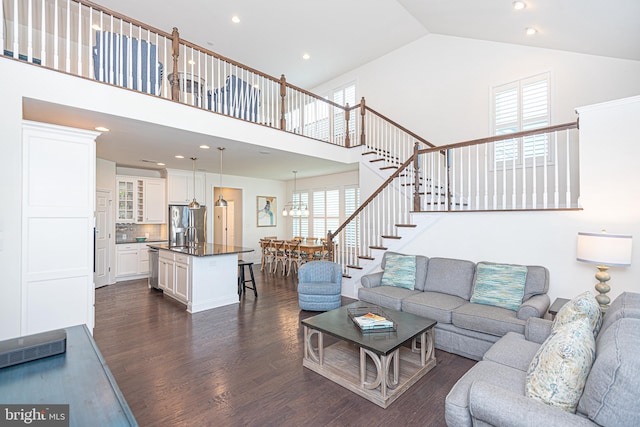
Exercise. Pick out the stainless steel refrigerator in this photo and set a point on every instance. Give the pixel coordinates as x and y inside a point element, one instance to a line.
<point>181,217</point>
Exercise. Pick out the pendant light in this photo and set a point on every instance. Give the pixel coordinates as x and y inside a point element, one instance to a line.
<point>221,202</point>
<point>295,209</point>
<point>194,203</point>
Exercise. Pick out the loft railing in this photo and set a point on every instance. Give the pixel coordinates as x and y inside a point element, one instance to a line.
<point>530,170</point>
<point>85,39</point>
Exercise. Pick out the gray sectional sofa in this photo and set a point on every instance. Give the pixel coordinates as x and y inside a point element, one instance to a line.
<point>442,292</point>
<point>493,392</point>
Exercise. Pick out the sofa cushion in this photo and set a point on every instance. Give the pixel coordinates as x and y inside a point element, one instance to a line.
<point>512,350</point>
<point>487,319</point>
<point>432,305</point>
<point>422,263</point>
<point>385,296</point>
<point>611,394</point>
<point>457,401</point>
<point>559,370</point>
<point>400,271</point>
<point>627,304</point>
<point>450,276</point>
<point>500,285</point>
<point>582,306</point>
<point>537,281</point>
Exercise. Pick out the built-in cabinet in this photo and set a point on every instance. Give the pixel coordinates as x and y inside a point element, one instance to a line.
<point>132,261</point>
<point>180,188</point>
<point>58,205</point>
<point>174,275</point>
<point>141,200</point>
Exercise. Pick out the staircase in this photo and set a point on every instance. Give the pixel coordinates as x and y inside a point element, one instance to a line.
<point>458,177</point>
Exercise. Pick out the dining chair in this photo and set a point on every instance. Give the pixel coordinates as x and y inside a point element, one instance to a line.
<point>280,255</point>
<point>267,255</point>
<point>295,257</point>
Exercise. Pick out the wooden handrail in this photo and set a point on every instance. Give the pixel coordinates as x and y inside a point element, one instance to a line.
<point>402,128</point>
<point>373,195</point>
<point>442,148</point>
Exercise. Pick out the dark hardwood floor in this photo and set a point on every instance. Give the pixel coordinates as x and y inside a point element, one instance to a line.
<point>240,365</point>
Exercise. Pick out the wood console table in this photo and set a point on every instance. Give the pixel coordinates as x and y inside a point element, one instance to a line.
<point>79,377</point>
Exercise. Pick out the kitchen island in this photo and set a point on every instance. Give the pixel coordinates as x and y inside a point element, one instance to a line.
<point>202,276</point>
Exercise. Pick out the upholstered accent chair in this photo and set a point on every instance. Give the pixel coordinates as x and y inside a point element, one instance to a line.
<point>319,286</point>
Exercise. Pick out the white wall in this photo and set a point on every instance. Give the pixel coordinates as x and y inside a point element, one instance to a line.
<point>610,181</point>
<point>439,86</point>
<point>251,189</point>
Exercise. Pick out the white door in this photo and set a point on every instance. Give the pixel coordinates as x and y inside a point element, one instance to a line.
<point>103,238</point>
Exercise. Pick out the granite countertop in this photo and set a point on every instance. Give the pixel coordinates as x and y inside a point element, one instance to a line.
<point>203,249</point>
<point>130,241</point>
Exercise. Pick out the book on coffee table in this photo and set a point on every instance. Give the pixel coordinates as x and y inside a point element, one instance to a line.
<point>371,319</point>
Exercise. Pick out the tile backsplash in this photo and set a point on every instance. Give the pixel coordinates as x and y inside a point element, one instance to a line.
<point>127,233</point>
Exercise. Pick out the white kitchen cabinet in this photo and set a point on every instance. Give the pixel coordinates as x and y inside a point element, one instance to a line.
<point>132,261</point>
<point>180,187</point>
<point>174,275</point>
<point>165,272</point>
<point>141,200</point>
<point>154,206</point>
<point>143,260</point>
<point>127,192</point>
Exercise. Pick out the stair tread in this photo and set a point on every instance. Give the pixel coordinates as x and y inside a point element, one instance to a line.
<point>366,257</point>
<point>376,160</point>
<point>406,225</point>
<point>378,247</point>
<point>388,167</point>
<point>357,267</point>
<point>368,152</point>
<point>391,237</point>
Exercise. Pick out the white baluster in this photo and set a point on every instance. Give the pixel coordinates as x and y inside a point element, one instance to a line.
<point>79,39</point>
<point>534,181</point>
<point>16,27</point>
<point>568,168</point>
<point>43,33</point>
<point>67,35</point>
<point>29,31</point>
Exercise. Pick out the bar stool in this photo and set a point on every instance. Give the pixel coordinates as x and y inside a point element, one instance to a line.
<point>242,280</point>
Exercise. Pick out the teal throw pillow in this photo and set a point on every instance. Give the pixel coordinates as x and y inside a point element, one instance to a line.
<point>499,285</point>
<point>558,372</point>
<point>584,305</point>
<point>400,271</point>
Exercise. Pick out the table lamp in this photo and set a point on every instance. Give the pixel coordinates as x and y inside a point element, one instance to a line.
<point>604,250</point>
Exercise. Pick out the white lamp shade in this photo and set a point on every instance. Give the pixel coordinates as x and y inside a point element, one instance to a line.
<point>613,250</point>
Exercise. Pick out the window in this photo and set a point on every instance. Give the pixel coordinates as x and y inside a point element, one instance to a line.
<point>518,106</point>
<point>301,223</point>
<point>343,96</point>
<point>326,212</point>
<point>351,203</point>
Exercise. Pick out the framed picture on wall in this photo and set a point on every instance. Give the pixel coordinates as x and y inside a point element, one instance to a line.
<point>267,209</point>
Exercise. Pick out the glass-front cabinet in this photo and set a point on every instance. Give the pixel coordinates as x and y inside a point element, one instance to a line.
<point>126,200</point>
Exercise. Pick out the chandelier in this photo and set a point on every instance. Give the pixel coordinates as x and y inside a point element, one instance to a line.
<point>295,208</point>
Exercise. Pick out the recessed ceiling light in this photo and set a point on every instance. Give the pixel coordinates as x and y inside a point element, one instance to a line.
<point>306,56</point>
<point>102,129</point>
<point>530,31</point>
<point>179,156</point>
<point>160,164</point>
<point>519,5</point>
<point>235,19</point>
<point>205,147</point>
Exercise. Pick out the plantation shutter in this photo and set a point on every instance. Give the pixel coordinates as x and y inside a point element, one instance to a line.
<point>518,106</point>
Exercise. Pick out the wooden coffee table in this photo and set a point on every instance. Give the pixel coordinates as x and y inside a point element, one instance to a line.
<point>390,368</point>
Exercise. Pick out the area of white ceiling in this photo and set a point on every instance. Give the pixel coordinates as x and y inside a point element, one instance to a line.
<point>341,35</point>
